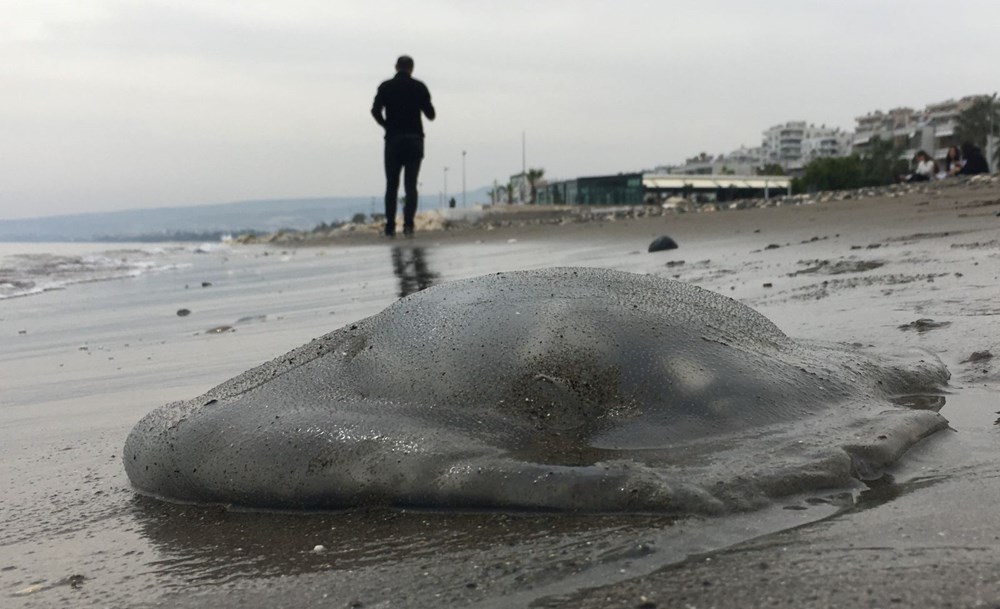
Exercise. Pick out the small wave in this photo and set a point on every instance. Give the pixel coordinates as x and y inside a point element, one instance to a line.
<point>28,274</point>
<point>208,248</point>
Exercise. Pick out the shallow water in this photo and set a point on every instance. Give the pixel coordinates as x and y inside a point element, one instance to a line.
<point>94,357</point>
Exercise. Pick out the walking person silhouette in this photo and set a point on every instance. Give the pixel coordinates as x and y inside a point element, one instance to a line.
<point>398,105</point>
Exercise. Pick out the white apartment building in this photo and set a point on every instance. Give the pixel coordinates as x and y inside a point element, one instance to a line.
<point>931,129</point>
<point>792,145</point>
<point>795,143</point>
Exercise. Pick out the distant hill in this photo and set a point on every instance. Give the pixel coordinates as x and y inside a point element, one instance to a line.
<point>201,221</point>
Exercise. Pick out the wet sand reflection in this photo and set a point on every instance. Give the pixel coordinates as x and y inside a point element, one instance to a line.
<point>409,265</point>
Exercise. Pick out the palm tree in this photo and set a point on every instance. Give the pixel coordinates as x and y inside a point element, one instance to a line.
<point>533,176</point>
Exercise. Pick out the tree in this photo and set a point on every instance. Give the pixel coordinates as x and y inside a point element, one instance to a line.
<point>980,120</point>
<point>881,164</point>
<point>834,173</point>
<point>533,176</point>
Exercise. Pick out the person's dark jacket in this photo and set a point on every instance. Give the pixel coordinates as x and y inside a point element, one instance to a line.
<point>403,98</point>
<point>975,163</point>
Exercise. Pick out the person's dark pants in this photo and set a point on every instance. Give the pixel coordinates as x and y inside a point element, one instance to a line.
<point>404,154</point>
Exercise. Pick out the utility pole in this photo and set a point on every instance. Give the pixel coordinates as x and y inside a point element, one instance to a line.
<point>446,185</point>
<point>463,178</point>
<point>524,169</point>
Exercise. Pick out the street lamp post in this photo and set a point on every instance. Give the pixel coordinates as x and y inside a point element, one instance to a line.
<point>463,178</point>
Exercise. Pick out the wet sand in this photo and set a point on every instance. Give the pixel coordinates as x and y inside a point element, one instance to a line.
<point>95,358</point>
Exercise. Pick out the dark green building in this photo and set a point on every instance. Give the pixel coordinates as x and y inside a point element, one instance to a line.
<point>621,189</point>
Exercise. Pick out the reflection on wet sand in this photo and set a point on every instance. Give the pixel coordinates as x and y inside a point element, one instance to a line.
<point>211,544</point>
<point>432,558</point>
<point>409,265</point>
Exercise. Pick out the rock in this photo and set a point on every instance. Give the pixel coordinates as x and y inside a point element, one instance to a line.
<point>661,243</point>
<point>206,284</point>
<point>977,356</point>
<point>183,312</point>
<point>678,204</point>
<point>924,324</point>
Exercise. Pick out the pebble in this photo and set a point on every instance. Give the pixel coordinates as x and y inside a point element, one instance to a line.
<point>663,242</point>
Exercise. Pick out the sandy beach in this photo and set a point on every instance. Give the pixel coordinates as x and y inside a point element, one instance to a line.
<point>82,364</point>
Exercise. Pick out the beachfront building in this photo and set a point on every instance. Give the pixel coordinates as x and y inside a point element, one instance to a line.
<point>795,143</point>
<point>791,145</point>
<point>620,189</point>
<point>519,189</point>
<point>742,161</point>
<point>654,187</point>
<point>900,126</point>
<point>931,129</point>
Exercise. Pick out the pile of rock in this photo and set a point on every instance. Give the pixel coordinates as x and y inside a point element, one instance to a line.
<point>432,220</point>
<point>892,190</point>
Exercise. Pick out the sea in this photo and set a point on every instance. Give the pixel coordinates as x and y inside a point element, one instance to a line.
<point>33,268</point>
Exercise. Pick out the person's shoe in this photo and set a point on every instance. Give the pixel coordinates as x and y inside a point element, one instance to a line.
<point>389,234</point>
<point>408,231</point>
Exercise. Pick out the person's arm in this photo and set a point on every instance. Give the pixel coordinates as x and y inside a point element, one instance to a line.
<point>427,107</point>
<point>377,107</point>
<point>969,168</point>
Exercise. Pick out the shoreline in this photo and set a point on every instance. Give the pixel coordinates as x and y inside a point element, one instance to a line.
<point>501,222</point>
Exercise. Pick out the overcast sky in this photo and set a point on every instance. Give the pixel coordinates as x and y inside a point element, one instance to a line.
<point>116,104</point>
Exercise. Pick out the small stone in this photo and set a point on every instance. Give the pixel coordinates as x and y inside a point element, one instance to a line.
<point>183,312</point>
<point>661,243</point>
<point>768,285</point>
<point>923,325</point>
<point>319,548</point>
<point>977,356</point>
